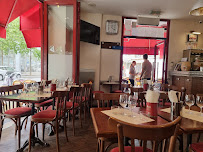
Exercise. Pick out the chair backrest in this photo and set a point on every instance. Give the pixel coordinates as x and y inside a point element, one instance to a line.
<point>123,86</point>
<point>107,97</point>
<point>77,95</point>
<point>9,90</point>
<point>60,99</point>
<point>87,90</point>
<point>145,132</point>
<point>164,87</point>
<point>139,91</point>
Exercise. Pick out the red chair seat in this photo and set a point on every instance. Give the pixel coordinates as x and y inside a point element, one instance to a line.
<point>48,102</point>
<point>128,149</point>
<point>118,91</point>
<point>70,105</point>
<point>97,92</point>
<point>197,147</point>
<point>19,111</point>
<point>45,114</point>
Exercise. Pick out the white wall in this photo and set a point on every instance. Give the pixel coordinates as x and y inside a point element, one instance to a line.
<point>178,37</point>
<point>105,62</point>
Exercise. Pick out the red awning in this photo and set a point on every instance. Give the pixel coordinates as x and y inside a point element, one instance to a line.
<point>139,51</point>
<point>11,9</point>
<point>30,27</point>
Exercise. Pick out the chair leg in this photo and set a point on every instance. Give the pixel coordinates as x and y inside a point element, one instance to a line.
<point>26,123</point>
<point>1,126</point>
<point>57,136</point>
<point>84,111</point>
<point>65,129</point>
<point>80,117</point>
<point>19,132</point>
<point>101,146</point>
<point>16,127</point>
<point>73,121</point>
<point>198,137</point>
<point>43,129</point>
<point>37,130</point>
<point>31,129</point>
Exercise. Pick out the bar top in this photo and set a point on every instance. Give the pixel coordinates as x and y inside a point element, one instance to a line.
<point>187,73</point>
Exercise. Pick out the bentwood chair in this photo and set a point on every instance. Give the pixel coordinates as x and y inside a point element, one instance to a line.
<point>49,116</point>
<point>123,87</point>
<point>87,97</point>
<point>141,98</point>
<point>75,105</point>
<point>104,99</point>
<point>157,134</point>
<point>13,110</point>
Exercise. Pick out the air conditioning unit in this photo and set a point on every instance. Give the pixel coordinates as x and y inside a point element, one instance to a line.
<point>148,21</point>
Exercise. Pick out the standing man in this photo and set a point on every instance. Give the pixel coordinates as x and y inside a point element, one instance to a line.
<point>132,73</point>
<point>146,68</point>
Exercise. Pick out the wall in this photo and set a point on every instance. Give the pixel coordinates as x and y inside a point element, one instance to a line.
<point>178,37</point>
<point>104,62</point>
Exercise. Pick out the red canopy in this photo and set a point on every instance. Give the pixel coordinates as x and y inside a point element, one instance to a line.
<point>11,9</point>
<point>30,27</point>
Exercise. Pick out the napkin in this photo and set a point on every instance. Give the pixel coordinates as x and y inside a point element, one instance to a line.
<point>172,96</point>
<point>152,96</point>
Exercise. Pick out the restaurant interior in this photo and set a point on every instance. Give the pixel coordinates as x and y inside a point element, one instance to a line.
<point>116,76</point>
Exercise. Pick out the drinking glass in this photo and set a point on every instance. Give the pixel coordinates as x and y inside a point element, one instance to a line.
<point>123,101</point>
<point>199,102</point>
<point>35,86</point>
<point>189,100</point>
<point>132,101</point>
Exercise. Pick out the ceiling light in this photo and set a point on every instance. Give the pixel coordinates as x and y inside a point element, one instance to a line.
<point>197,9</point>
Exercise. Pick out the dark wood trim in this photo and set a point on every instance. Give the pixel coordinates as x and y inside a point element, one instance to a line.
<point>167,49</point>
<point>121,56</point>
<point>78,44</point>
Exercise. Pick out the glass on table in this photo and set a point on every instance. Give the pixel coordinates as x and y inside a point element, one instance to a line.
<point>123,101</point>
<point>132,101</point>
<point>199,102</point>
<point>189,100</point>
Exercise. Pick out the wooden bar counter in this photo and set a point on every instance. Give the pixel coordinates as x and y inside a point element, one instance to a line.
<point>191,80</point>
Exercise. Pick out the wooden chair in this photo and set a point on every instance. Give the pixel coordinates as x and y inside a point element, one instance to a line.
<point>103,98</point>
<point>74,105</point>
<point>164,87</point>
<point>157,134</point>
<point>141,98</point>
<point>123,87</point>
<point>13,110</point>
<point>87,97</point>
<point>49,116</point>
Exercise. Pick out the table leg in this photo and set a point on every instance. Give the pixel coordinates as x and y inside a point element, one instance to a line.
<point>189,141</point>
<point>111,90</point>
<point>34,139</point>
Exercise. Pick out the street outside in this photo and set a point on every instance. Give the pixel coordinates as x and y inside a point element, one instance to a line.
<point>25,76</point>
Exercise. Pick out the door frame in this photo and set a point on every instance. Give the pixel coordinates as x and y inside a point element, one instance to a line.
<point>44,47</point>
<point>165,57</point>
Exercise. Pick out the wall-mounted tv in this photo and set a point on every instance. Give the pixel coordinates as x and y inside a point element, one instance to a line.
<point>89,33</point>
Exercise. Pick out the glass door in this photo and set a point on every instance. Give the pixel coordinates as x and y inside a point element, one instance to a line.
<point>60,39</point>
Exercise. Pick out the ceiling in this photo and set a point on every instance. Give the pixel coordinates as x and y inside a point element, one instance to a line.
<point>170,9</point>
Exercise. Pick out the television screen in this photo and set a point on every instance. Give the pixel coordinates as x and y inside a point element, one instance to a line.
<point>89,33</point>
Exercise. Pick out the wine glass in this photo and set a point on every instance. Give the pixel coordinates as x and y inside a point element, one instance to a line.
<point>189,100</point>
<point>199,102</point>
<point>35,86</point>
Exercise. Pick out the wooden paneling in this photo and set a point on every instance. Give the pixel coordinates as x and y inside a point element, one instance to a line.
<point>193,85</point>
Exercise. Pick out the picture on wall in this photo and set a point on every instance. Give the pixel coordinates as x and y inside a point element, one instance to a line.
<point>192,38</point>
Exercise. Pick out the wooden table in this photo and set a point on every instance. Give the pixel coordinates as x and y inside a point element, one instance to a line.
<point>33,101</point>
<point>188,126</point>
<point>111,83</point>
<point>100,122</point>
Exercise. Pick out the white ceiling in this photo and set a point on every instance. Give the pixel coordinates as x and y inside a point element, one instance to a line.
<point>171,9</point>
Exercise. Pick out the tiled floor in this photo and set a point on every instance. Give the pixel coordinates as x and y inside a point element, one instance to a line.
<point>83,141</point>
